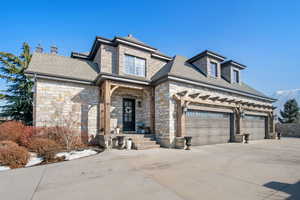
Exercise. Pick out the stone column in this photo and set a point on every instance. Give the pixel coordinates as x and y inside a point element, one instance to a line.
<point>152,110</point>
<point>238,137</point>
<point>268,127</point>
<point>180,119</point>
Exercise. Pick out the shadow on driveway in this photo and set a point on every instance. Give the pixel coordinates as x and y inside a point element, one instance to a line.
<point>293,190</point>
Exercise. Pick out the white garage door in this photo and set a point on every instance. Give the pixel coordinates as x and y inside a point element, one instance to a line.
<point>255,126</point>
<point>207,127</point>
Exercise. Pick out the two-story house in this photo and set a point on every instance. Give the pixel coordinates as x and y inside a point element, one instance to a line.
<point>123,82</point>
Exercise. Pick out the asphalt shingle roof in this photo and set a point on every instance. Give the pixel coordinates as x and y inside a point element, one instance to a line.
<point>180,68</point>
<point>56,65</point>
<point>63,66</point>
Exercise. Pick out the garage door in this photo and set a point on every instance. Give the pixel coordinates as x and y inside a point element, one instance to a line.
<point>255,125</point>
<point>207,127</point>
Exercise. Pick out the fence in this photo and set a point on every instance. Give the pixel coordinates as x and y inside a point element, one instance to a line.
<point>288,130</point>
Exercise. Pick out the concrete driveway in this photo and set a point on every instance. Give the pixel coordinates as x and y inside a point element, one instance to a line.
<point>267,169</point>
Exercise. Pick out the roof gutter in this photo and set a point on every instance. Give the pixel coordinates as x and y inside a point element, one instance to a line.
<point>58,78</point>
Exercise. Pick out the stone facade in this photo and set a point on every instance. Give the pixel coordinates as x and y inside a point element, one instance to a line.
<point>107,59</point>
<point>57,102</point>
<point>111,59</point>
<point>142,107</point>
<point>162,120</point>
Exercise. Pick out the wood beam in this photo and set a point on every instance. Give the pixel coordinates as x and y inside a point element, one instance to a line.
<point>180,119</point>
<point>208,102</point>
<point>204,96</point>
<point>195,95</point>
<point>223,99</point>
<point>113,88</point>
<point>152,109</point>
<point>106,87</point>
<point>214,98</point>
<point>183,93</point>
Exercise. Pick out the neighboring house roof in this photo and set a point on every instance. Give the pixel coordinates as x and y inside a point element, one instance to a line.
<point>179,67</point>
<point>61,66</point>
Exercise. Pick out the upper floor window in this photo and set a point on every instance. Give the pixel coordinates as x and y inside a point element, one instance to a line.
<point>236,78</point>
<point>135,66</point>
<point>213,69</point>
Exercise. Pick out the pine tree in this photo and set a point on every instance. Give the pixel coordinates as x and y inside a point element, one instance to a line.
<point>290,113</point>
<point>18,95</point>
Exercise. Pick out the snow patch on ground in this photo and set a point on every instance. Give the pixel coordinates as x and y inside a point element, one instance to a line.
<point>3,168</point>
<point>76,154</point>
<point>34,160</point>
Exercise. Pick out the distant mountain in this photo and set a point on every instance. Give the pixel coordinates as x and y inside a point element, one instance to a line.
<point>283,95</point>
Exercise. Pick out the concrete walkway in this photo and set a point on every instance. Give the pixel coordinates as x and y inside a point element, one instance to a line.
<point>267,169</point>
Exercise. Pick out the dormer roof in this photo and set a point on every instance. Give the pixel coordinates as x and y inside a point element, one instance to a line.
<point>233,63</point>
<point>209,54</point>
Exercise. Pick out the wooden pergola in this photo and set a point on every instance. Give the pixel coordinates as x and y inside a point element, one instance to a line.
<point>107,88</point>
<point>184,99</point>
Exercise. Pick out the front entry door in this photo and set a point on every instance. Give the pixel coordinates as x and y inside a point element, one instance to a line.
<point>128,115</point>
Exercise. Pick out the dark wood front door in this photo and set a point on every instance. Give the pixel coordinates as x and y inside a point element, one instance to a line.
<point>128,115</point>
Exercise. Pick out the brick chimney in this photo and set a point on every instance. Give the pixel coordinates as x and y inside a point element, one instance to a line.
<point>39,49</point>
<point>53,49</point>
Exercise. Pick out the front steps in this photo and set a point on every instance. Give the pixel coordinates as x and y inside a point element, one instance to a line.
<point>143,141</point>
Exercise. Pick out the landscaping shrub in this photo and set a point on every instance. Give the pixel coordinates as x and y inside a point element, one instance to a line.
<point>11,130</point>
<point>13,155</point>
<point>64,136</point>
<point>28,134</point>
<point>8,144</point>
<point>44,147</point>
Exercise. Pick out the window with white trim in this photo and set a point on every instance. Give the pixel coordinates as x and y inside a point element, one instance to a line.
<point>213,69</point>
<point>134,66</point>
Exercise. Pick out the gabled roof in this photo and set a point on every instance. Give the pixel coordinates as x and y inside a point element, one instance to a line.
<point>128,40</point>
<point>132,39</point>
<point>61,66</point>
<point>181,68</point>
<point>207,53</point>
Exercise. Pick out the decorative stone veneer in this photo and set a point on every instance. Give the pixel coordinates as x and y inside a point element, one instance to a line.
<point>152,64</point>
<point>107,59</point>
<point>162,113</point>
<point>111,59</point>
<point>57,101</point>
<point>142,114</point>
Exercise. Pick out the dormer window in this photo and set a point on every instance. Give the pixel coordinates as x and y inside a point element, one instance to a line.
<point>135,66</point>
<point>236,76</point>
<point>213,69</point>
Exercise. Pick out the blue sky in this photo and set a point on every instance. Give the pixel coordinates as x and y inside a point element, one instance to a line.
<point>264,35</point>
